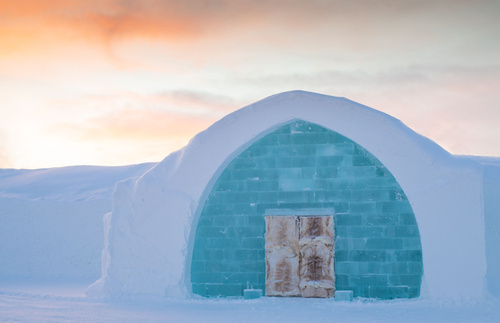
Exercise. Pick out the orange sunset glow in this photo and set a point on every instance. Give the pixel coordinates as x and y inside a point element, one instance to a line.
<point>119,82</point>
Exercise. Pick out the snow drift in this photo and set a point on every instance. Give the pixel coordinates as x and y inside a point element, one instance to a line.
<point>51,220</point>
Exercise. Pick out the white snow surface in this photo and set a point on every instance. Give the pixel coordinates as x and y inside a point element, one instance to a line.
<point>51,220</point>
<point>67,303</point>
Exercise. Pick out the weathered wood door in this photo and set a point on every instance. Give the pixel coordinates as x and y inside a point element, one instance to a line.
<point>316,257</point>
<point>300,256</point>
<point>282,256</point>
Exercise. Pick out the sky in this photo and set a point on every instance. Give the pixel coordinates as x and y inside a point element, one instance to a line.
<point>108,82</point>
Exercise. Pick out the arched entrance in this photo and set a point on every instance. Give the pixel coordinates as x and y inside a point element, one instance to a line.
<point>301,165</point>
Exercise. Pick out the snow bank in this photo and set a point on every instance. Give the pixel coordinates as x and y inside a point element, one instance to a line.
<point>52,304</point>
<point>74,183</point>
<point>51,220</point>
<point>151,230</point>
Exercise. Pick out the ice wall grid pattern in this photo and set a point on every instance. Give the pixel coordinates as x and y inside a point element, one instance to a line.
<point>301,165</point>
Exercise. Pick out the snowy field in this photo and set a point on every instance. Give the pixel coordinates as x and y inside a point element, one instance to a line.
<point>67,303</point>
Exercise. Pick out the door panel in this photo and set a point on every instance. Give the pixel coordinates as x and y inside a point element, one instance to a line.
<point>316,257</point>
<point>282,256</point>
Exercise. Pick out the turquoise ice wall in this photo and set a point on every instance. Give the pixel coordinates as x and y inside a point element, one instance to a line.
<point>302,165</point>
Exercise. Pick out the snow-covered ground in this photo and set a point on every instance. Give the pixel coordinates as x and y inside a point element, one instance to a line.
<point>39,302</point>
<point>24,307</point>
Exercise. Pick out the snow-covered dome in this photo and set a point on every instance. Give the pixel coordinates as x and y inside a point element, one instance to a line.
<point>432,203</point>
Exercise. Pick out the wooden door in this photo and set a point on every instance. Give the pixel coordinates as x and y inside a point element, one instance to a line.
<point>282,256</point>
<point>316,242</point>
<point>299,256</point>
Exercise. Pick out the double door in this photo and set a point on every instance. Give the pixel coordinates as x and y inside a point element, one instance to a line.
<point>300,256</point>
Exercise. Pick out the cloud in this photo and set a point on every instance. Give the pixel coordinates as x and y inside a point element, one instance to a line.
<point>478,79</point>
<point>200,103</point>
<point>130,124</point>
<point>181,102</point>
<point>137,127</point>
<point>351,22</point>
<point>170,115</point>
